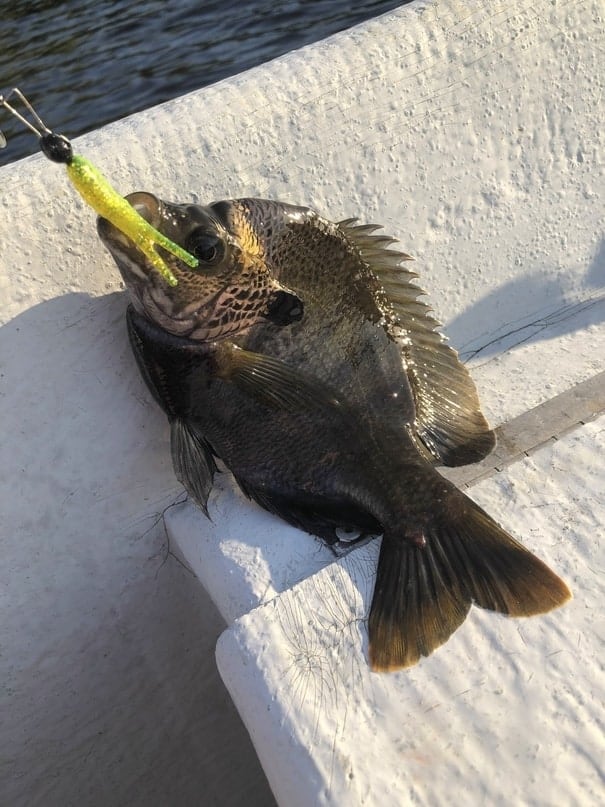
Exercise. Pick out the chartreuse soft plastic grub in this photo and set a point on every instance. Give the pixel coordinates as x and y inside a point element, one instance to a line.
<point>96,191</point>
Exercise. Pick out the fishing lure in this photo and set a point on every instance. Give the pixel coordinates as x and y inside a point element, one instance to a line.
<point>98,193</point>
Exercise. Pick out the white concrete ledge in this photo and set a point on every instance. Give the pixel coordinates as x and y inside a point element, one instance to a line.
<point>473,133</point>
<point>507,712</point>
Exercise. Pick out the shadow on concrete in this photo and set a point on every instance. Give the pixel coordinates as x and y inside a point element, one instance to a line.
<point>531,308</point>
<point>109,679</point>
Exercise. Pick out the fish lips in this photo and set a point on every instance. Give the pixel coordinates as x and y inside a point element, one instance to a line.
<point>150,208</point>
<point>129,258</point>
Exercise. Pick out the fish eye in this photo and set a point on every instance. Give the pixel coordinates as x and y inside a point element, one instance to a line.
<point>206,247</point>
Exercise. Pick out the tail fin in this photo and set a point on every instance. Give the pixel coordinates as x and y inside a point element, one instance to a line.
<point>423,593</point>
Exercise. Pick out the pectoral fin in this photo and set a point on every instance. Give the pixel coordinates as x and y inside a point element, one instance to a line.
<point>193,461</point>
<point>272,381</point>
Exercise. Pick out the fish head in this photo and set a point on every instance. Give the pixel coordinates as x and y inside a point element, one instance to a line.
<point>231,289</point>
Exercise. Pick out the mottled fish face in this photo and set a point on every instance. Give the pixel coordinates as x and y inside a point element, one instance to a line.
<point>230,289</point>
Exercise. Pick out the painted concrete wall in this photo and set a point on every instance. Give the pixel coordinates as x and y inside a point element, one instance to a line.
<point>110,691</point>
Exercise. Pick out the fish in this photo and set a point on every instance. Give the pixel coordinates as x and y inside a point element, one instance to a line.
<point>299,354</point>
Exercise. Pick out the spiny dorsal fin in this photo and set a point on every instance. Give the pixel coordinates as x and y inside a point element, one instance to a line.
<point>448,415</point>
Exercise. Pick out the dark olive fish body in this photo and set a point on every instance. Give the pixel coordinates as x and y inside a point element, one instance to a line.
<point>299,454</point>
<point>331,418</point>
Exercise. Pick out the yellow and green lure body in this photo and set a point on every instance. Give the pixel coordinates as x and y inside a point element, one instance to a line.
<point>97,192</point>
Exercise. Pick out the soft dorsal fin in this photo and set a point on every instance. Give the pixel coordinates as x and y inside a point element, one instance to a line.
<point>449,420</point>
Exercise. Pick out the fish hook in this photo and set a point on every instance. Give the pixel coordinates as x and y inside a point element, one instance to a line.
<point>97,192</point>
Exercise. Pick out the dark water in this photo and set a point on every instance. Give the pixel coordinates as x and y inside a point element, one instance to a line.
<point>84,64</point>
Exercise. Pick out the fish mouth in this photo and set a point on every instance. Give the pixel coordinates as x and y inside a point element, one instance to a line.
<point>149,207</point>
<point>148,291</point>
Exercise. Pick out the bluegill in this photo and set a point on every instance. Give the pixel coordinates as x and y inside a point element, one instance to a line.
<point>299,353</point>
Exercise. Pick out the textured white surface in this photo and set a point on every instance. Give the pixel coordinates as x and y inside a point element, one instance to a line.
<point>472,132</point>
<point>507,712</point>
<point>244,556</point>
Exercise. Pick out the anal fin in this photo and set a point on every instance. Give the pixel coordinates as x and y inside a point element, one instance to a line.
<point>319,515</point>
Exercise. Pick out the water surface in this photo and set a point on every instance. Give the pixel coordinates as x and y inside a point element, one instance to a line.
<point>85,64</point>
